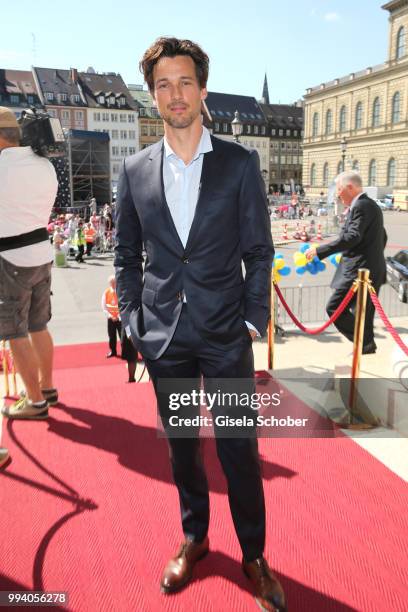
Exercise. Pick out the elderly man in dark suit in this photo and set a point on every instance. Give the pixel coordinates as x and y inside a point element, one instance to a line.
<point>197,205</point>
<point>361,242</point>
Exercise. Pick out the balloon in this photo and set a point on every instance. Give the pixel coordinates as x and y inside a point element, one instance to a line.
<point>278,256</point>
<point>301,270</point>
<point>284,271</point>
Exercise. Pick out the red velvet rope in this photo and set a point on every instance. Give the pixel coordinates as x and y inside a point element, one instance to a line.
<point>335,315</point>
<point>387,322</point>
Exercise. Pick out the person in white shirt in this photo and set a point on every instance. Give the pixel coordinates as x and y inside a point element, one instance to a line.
<point>28,187</point>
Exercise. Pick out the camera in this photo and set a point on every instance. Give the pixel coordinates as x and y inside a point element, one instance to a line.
<point>42,133</point>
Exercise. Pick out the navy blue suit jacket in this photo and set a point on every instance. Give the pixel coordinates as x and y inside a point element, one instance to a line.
<point>231,225</point>
<point>361,241</point>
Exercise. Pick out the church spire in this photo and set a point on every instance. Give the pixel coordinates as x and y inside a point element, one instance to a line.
<point>265,91</point>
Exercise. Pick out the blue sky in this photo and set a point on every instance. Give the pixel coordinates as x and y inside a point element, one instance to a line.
<point>299,43</point>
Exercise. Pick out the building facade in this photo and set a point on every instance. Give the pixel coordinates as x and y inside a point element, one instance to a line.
<point>285,132</point>
<point>112,110</point>
<point>221,108</point>
<point>18,91</point>
<point>150,123</point>
<point>360,121</point>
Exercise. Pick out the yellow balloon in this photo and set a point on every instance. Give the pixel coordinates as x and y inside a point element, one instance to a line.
<point>300,260</point>
<point>279,263</point>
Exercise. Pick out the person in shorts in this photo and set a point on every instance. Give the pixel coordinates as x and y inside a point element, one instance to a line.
<point>28,187</point>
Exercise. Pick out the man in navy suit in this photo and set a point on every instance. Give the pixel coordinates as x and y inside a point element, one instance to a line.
<point>361,242</point>
<point>197,206</point>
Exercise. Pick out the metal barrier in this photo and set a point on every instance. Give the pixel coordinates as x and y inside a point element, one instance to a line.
<point>309,302</point>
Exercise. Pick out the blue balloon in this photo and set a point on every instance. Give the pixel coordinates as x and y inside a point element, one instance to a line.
<point>304,247</point>
<point>321,266</point>
<point>284,271</point>
<point>309,266</point>
<point>301,270</point>
<point>313,271</point>
<point>278,256</point>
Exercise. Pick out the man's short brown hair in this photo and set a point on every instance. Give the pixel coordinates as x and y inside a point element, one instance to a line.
<point>170,47</point>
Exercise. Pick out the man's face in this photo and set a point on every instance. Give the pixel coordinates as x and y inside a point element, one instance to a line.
<point>346,192</point>
<point>177,93</point>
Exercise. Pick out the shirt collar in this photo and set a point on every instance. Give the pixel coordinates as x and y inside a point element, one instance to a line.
<point>204,146</point>
<point>355,199</point>
<point>20,151</point>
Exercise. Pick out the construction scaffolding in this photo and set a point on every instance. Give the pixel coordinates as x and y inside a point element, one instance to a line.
<point>84,172</point>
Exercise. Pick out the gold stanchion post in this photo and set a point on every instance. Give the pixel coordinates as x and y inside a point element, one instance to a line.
<point>271,327</point>
<point>362,280</point>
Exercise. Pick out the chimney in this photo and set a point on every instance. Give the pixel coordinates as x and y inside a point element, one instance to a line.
<point>74,75</point>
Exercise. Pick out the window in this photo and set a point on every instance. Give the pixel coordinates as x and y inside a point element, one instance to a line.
<point>112,100</point>
<point>115,150</point>
<point>356,165</point>
<point>105,116</point>
<point>396,103</point>
<point>340,167</point>
<point>280,132</point>
<point>391,170</point>
<point>63,97</point>
<point>101,99</point>
<point>358,123</point>
<point>375,121</point>
<point>287,132</point>
<point>115,134</point>
<point>263,130</point>
<point>131,118</point>
<point>326,175</point>
<point>273,132</point>
<point>14,99</point>
<point>256,129</point>
<point>225,128</point>
<point>315,124</point>
<point>122,118</point>
<point>161,130</point>
<point>114,117</point>
<point>75,98</point>
<point>123,134</point>
<point>49,95</point>
<point>115,169</point>
<point>329,122</point>
<point>372,173</point>
<point>343,119</point>
<point>97,116</point>
<point>132,134</point>
<point>248,129</point>
<point>122,100</point>
<point>79,115</point>
<point>283,146</point>
<point>132,150</point>
<point>144,130</point>
<point>400,43</point>
<point>295,133</point>
<point>217,127</point>
<point>65,114</point>
<point>313,175</point>
<point>30,99</point>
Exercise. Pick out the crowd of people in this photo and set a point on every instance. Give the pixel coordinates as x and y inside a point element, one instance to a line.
<point>73,234</point>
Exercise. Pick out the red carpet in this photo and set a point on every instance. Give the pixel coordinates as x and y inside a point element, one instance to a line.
<point>88,507</point>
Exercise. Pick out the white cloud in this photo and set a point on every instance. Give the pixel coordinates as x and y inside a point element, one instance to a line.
<point>332,17</point>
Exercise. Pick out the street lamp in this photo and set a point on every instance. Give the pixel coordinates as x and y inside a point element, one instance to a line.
<point>237,126</point>
<point>343,145</point>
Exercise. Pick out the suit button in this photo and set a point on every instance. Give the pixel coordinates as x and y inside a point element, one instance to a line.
<point>185,260</point>
<point>179,295</point>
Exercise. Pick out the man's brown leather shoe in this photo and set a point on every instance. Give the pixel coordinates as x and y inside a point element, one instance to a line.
<point>268,590</point>
<point>179,570</point>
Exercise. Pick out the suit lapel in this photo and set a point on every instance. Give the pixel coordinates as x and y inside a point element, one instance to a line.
<point>211,169</point>
<point>157,190</point>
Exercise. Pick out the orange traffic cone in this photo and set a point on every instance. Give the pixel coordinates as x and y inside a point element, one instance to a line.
<point>319,232</point>
<point>303,235</point>
<point>285,232</point>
